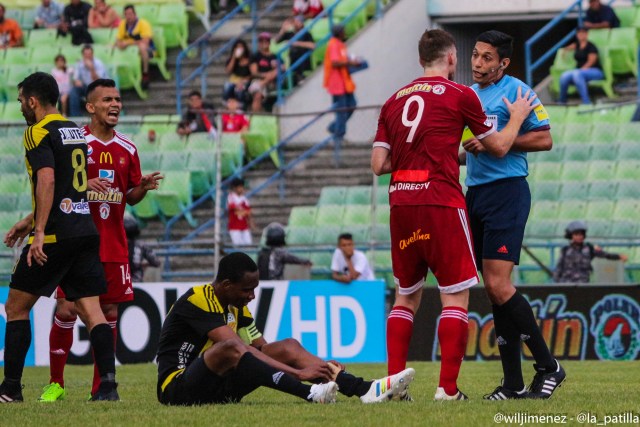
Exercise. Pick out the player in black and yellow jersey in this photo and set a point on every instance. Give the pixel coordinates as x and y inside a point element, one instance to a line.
<point>63,242</point>
<point>211,351</point>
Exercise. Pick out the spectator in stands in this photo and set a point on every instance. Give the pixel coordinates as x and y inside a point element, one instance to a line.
<point>337,80</point>
<point>49,15</point>
<point>273,257</point>
<point>10,31</point>
<point>309,8</point>
<point>291,27</point>
<point>263,71</point>
<point>140,255</point>
<point>63,75</point>
<point>86,71</point>
<point>600,16</point>
<point>199,117</point>
<point>574,265</point>
<point>76,22</point>
<point>234,120</point>
<point>239,72</point>
<point>240,221</point>
<point>349,264</point>
<point>587,67</point>
<point>102,15</point>
<point>136,31</point>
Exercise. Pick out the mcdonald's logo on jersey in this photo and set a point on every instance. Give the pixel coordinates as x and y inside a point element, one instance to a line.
<point>106,158</point>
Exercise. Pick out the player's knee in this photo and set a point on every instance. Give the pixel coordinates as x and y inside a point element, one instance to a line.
<point>65,310</point>
<point>232,349</point>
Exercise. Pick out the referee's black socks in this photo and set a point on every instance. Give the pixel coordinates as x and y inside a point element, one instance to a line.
<point>520,312</point>
<point>17,342</point>
<point>101,338</point>
<point>508,340</point>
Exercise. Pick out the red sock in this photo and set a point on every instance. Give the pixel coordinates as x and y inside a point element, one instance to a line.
<point>60,341</point>
<point>453,332</point>
<point>96,374</point>
<point>399,330</point>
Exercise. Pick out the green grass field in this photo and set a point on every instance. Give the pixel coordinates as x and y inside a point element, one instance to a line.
<point>597,388</point>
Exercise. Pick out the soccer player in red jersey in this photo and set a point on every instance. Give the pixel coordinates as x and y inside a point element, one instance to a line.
<point>114,179</point>
<point>419,132</point>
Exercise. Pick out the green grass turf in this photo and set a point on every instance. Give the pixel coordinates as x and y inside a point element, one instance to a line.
<point>599,388</point>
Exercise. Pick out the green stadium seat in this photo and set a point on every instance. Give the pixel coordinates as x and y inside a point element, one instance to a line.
<point>599,209</point>
<point>602,190</point>
<point>332,195</point>
<point>381,233</point>
<point>42,37</point>
<point>382,195</point>
<point>300,235</point>
<point>606,84</point>
<point>579,114</point>
<point>174,161</point>
<point>262,136</point>
<point>626,112</point>
<point>628,132</point>
<point>557,114</point>
<point>557,133</point>
<point>577,153</point>
<point>171,141</point>
<point>146,208</point>
<point>129,69</point>
<point>628,151</point>
<point>105,36</point>
<point>356,215</point>
<point>544,209</point>
<point>627,209</point>
<point>302,216</point>
<point>623,229</point>
<point>603,134</point>
<point>600,38</point>
<point>554,155</point>
<point>321,33</point>
<point>562,62</point>
<point>623,51</point>
<point>574,171</point>
<point>73,54</point>
<point>577,133</point>
<point>321,260</point>
<point>628,169</point>
<point>18,56</point>
<point>329,215</point>
<point>174,195</point>
<point>8,220</point>
<point>8,202</point>
<point>627,189</point>
<point>572,190</point>
<point>358,195</point>
<point>44,55</point>
<point>346,9</point>
<point>14,183</point>
<point>201,141</point>
<point>572,210</point>
<point>327,235</point>
<point>626,15</point>
<point>173,19</point>
<point>385,179</point>
<point>604,151</point>
<point>202,168</point>
<point>382,215</point>
<point>232,153</point>
<point>11,164</point>
<point>361,233</point>
<point>159,58</point>
<point>549,190</point>
<point>24,202</point>
<point>602,170</point>
<point>150,160</point>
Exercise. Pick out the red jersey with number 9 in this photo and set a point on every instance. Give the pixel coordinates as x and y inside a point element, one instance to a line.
<point>117,162</point>
<point>421,125</point>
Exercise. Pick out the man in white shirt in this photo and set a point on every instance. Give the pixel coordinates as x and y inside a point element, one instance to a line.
<point>349,264</point>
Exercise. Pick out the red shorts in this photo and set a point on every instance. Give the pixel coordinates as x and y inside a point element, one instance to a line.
<point>119,287</point>
<point>436,238</point>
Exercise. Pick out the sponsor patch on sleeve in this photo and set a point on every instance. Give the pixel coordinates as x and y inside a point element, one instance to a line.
<point>541,113</point>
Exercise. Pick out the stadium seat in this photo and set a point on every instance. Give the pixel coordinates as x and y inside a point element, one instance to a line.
<point>572,190</point>
<point>577,153</point>
<point>14,183</point>
<point>11,164</point>
<point>150,160</point>
<point>201,141</point>
<point>599,209</point>
<point>602,170</point>
<point>262,136</point>
<point>202,168</point>
<point>24,202</point>
<point>44,55</point>
<point>332,195</point>
<point>361,233</point>
<point>627,189</point>
<point>381,233</point>
<point>549,190</point>
<point>602,190</point>
<point>606,84</point>
<point>544,209</point>
<point>148,11</point>
<point>628,169</point>
<point>557,133</point>
<point>103,36</point>
<point>572,210</point>
<point>385,179</point>
<point>604,151</point>
<point>302,216</point>
<point>603,134</point>
<point>73,54</point>
<point>173,19</point>
<point>356,215</point>
<point>174,195</point>
<point>382,195</point>
<point>623,51</point>
<point>146,208</point>
<point>574,171</point>
<point>159,58</point>
<point>321,260</point>
<point>554,155</point>
<point>129,69</point>
<point>627,209</point>
<point>232,152</point>
<point>321,33</point>
<point>382,215</point>
<point>623,229</point>
<point>171,141</point>
<point>8,202</point>
<point>599,228</point>
<point>18,56</point>
<point>174,161</point>
<point>577,133</point>
<point>562,62</point>
<point>8,219</point>
<point>628,132</point>
<point>326,235</point>
<point>350,17</point>
<point>600,38</point>
<point>300,235</point>
<point>626,15</point>
<point>329,215</point>
<point>358,195</point>
<point>557,114</point>
<point>42,37</point>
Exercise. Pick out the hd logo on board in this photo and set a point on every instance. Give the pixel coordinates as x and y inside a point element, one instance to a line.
<point>615,326</point>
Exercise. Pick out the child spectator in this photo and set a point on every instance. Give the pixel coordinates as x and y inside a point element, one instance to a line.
<point>273,257</point>
<point>574,265</point>
<point>234,120</point>
<point>240,221</point>
<point>63,76</point>
<point>140,255</point>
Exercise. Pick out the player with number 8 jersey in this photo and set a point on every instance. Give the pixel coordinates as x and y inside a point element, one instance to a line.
<point>417,141</point>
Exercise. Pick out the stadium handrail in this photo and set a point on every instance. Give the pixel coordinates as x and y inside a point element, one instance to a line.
<point>287,75</point>
<point>202,42</point>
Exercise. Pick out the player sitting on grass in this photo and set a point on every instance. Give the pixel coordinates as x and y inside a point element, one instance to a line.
<point>210,351</point>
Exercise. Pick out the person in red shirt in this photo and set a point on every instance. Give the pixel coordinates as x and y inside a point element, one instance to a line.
<point>418,137</point>
<point>113,170</point>
<point>309,8</point>
<point>240,221</point>
<point>234,120</point>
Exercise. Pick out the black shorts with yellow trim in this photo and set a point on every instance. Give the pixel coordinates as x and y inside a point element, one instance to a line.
<point>73,264</point>
<point>197,385</point>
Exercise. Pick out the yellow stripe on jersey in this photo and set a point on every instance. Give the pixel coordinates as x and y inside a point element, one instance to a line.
<point>205,299</point>
<point>246,312</point>
<point>50,238</point>
<point>35,133</point>
<point>170,377</point>
<point>206,346</point>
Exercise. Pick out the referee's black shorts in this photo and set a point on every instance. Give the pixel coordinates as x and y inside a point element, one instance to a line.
<point>73,264</point>
<point>197,385</point>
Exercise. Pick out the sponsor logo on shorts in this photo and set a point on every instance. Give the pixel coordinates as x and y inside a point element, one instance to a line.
<point>114,195</point>
<point>72,136</point>
<point>107,174</point>
<point>408,186</point>
<point>503,249</point>
<point>105,209</point>
<point>67,206</point>
<point>415,237</point>
<point>439,89</point>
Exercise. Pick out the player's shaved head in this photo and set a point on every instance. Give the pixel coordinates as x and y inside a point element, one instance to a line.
<point>98,83</point>
<point>434,45</point>
<point>234,266</point>
<point>501,41</point>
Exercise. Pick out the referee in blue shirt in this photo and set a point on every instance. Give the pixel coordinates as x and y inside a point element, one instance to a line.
<point>498,201</point>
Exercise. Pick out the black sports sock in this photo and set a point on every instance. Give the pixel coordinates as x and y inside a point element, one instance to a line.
<point>255,371</point>
<point>350,385</point>
<point>102,342</point>
<point>519,311</point>
<point>17,341</point>
<point>508,340</point>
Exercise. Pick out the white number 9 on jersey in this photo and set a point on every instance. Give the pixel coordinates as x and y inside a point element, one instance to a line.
<point>413,124</point>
